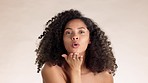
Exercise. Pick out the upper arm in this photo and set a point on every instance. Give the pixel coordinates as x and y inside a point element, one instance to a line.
<point>51,74</point>
<point>105,77</point>
<point>108,78</point>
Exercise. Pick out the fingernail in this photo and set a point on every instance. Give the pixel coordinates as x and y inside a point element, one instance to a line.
<point>63,55</point>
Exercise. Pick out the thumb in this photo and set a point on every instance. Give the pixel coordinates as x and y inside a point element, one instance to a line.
<point>64,55</point>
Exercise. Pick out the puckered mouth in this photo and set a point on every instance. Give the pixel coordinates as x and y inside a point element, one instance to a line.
<point>75,45</point>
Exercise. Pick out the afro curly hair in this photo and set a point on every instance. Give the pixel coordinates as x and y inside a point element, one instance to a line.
<point>99,55</point>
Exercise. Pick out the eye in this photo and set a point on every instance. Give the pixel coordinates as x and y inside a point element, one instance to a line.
<point>81,32</point>
<point>68,32</point>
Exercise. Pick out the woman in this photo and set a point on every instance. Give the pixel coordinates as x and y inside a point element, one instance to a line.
<point>73,49</point>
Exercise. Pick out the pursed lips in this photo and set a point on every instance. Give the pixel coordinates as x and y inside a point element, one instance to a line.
<point>75,45</point>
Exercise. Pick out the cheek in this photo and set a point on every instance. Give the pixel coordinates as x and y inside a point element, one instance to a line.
<point>86,40</point>
<point>66,41</point>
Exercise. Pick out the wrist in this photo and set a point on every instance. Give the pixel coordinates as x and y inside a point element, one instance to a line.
<point>75,71</point>
<point>75,76</point>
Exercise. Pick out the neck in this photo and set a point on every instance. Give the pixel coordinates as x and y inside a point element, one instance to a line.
<point>84,70</point>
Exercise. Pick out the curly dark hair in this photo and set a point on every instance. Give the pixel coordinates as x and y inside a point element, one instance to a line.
<point>99,55</point>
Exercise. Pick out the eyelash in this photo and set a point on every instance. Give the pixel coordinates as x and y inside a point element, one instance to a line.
<point>82,32</point>
<point>69,32</point>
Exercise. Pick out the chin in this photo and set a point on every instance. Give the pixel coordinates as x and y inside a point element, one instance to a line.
<point>73,51</point>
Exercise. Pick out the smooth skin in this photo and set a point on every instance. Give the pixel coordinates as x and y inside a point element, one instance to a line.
<point>75,70</point>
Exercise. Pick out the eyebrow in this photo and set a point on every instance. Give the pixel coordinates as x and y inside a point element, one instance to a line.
<point>71,28</point>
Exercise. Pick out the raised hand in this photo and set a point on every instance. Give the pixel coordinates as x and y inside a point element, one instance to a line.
<point>74,60</point>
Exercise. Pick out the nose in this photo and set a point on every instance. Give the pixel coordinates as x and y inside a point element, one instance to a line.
<point>75,37</point>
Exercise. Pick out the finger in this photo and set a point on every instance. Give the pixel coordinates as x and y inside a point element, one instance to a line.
<point>70,55</point>
<point>81,58</point>
<point>77,56</point>
<point>74,56</point>
<point>65,56</point>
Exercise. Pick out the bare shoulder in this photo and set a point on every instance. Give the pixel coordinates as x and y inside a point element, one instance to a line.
<point>52,74</point>
<point>106,77</point>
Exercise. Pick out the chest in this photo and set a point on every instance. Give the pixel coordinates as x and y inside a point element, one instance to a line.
<point>91,78</point>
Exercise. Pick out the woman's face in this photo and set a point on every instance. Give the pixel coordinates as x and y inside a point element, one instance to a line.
<point>76,36</point>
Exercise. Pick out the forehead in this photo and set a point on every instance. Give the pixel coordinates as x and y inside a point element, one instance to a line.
<point>76,23</point>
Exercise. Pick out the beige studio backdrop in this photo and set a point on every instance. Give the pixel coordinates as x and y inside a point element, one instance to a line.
<point>22,21</point>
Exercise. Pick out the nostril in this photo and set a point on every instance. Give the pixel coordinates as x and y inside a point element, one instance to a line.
<point>74,38</point>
